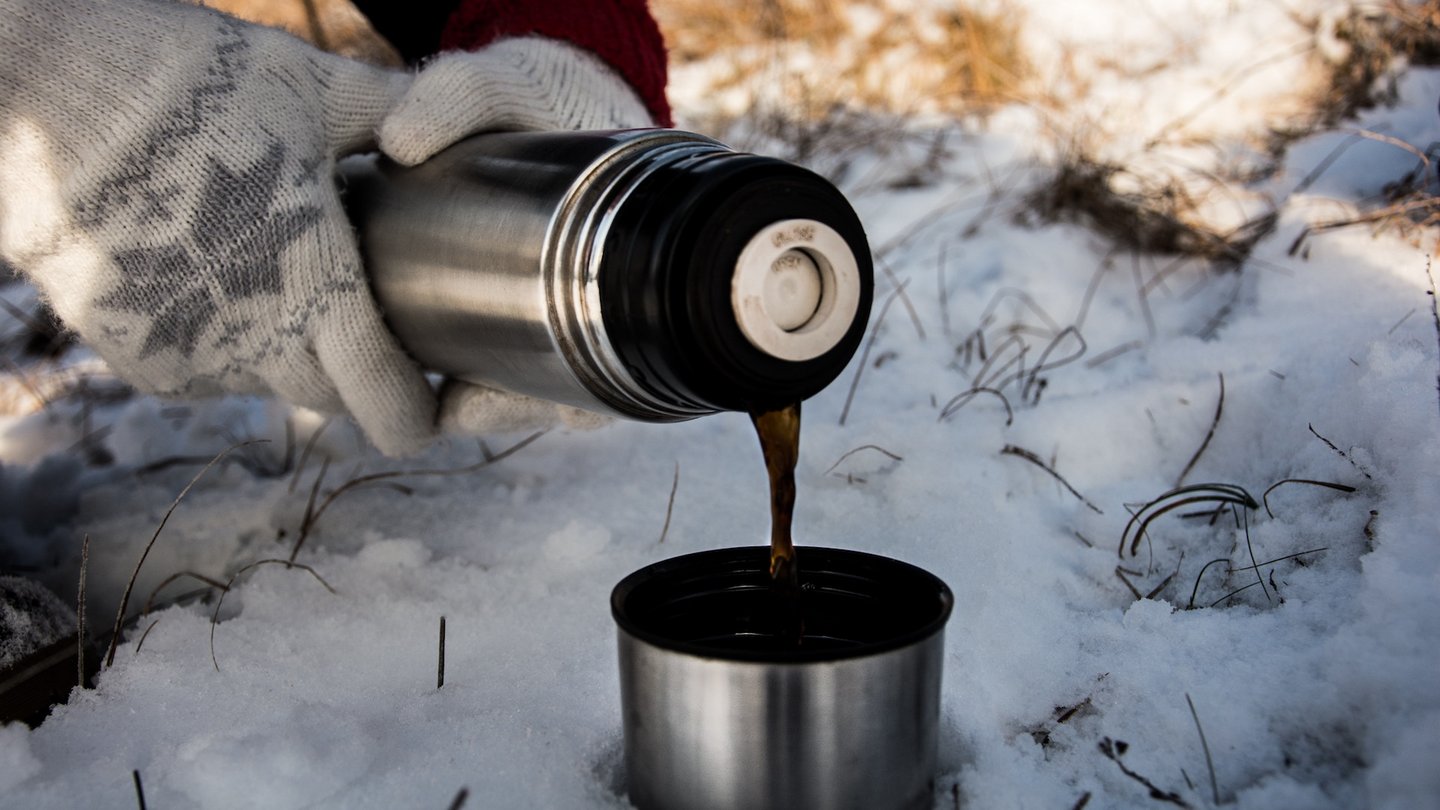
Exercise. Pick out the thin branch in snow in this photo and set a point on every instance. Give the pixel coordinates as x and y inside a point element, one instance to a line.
<point>1434,313</point>
<point>215,616</point>
<point>1106,265</point>
<point>865,353</point>
<point>1340,452</point>
<point>875,447</point>
<point>1294,556</point>
<point>305,454</point>
<point>1265,498</point>
<point>1020,452</point>
<point>488,458</point>
<point>459,800</point>
<point>1251,548</point>
<point>1209,763</point>
<point>1045,364</point>
<point>141,643</point>
<point>942,291</point>
<point>440,666</point>
<point>1155,591</point>
<point>904,298</point>
<point>1174,499</point>
<point>1121,574</point>
<point>1111,354</point>
<point>309,516</point>
<point>1026,300</point>
<point>1142,293</point>
<point>80,612</point>
<point>1115,749</point>
<point>150,602</point>
<point>670,504</point>
<point>1198,577</point>
<point>125,598</point>
<point>139,790</point>
<point>1214,423</point>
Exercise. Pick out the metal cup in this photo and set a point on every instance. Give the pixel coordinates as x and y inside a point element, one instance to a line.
<point>724,709</point>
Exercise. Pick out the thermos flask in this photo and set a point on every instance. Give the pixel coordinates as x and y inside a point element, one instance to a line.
<point>650,274</point>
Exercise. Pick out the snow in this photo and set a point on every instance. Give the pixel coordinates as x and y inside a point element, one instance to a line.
<point>1315,690</point>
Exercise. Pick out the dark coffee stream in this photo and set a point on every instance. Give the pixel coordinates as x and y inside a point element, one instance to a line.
<point>779,432</point>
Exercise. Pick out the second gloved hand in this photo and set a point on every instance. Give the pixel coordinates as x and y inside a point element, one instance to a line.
<point>523,83</point>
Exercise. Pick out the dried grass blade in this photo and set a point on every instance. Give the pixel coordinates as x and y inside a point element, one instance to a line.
<point>130,586</point>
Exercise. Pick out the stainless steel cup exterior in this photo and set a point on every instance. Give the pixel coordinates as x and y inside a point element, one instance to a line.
<point>722,709</point>
<point>708,733</point>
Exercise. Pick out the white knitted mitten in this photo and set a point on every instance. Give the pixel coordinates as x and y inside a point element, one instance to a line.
<point>526,83</point>
<point>522,83</point>
<point>167,181</point>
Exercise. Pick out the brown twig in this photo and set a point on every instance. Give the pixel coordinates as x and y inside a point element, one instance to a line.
<point>215,616</point>
<point>139,790</point>
<point>1020,452</point>
<point>1198,577</point>
<point>150,601</point>
<point>141,642</point>
<point>1174,499</point>
<point>440,666</point>
<point>1209,763</point>
<point>904,298</point>
<point>1111,354</point>
<point>1245,514</point>
<point>488,459</point>
<point>670,504</point>
<point>1434,313</point>
<point>1115,749</point>
<point>1340,452</point>
<point>865,353</point>
<point>80,611</point>
<point>1214,423</point>
<point>305,454</point>
<point>125,598</point>
<point>875,447</point>
<point>1265,498</point>
<point>1121,574</point>
<point>963,398</point>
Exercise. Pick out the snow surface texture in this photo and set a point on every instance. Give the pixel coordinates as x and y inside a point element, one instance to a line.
<point>1315,689</point>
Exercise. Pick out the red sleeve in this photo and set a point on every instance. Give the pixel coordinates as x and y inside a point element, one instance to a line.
<point>621,32</point>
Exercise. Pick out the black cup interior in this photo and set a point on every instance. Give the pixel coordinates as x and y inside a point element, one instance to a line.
<point>722,604</point>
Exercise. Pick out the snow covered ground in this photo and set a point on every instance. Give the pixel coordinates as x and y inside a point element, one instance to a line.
<point>1301,635</point>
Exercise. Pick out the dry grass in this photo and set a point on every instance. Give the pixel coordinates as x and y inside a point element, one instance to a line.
<point>1379,38</point>
<point>1155,215</point>
<point>811,73</point>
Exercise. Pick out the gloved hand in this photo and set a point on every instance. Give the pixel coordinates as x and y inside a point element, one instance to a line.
<point>166,180</point>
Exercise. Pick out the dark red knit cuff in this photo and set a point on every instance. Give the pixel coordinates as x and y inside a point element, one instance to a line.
<point>621,32</point>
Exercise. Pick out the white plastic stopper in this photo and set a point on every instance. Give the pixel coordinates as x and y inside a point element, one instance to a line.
<point>796,289</point>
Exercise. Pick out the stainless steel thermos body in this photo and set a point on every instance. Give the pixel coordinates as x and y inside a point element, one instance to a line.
<point>651,274</point>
